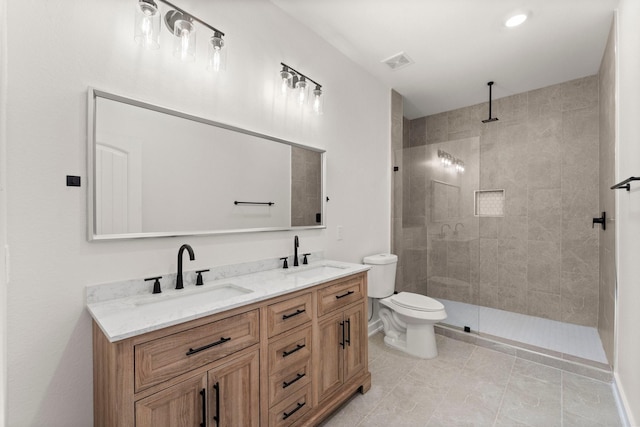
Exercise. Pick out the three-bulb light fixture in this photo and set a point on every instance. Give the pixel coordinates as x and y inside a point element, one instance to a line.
<point>293,81</point>
<point>448,160</point>
<point>181,25</point>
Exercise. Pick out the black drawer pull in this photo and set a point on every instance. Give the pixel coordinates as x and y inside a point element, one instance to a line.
<point>344,295</point>
<point>204,347</point>
<point>293,411</point>
<point>287,384</point>
<point>288,316</point>
<point>289,353</point>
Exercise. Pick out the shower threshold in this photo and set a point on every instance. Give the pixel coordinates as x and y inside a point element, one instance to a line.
<point>559,340</point>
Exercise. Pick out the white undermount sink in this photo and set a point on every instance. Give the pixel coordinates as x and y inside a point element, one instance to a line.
<point>188,296</point>
<point>322,270</point>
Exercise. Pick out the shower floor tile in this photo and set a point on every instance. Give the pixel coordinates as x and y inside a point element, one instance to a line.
<point>567,338</point>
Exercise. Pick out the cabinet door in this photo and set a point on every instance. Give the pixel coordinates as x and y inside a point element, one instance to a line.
<point>355,338</point>
<point>234,393</point>
<point>177,406</point>
<point>330,355</point>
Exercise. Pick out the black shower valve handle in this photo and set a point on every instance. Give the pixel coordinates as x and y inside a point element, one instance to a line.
<point>602,221</point>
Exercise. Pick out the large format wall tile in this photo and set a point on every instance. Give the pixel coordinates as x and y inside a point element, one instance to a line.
<point>541,257</point>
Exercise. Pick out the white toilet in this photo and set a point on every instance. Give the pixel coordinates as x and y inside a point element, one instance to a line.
<point>407,318</point>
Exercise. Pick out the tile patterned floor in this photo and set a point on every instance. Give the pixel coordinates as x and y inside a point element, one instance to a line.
<point>467,385</point>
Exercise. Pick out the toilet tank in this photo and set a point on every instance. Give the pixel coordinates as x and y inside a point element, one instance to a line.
<point>382,276</point>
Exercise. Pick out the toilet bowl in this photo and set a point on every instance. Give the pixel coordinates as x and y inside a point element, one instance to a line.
<point>407,318</point>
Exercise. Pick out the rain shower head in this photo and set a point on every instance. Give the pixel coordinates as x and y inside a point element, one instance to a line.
<point>490,119</point>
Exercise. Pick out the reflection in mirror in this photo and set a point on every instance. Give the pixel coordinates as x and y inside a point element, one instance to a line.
<point>158,172</point>
<point>445,201</point>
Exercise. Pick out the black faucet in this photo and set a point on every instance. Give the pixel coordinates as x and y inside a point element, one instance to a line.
<point>179,284</point>
<point>296,243</point>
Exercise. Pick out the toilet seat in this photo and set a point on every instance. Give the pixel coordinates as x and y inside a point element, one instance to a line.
<point>416,302</point>
<point>428,310</point>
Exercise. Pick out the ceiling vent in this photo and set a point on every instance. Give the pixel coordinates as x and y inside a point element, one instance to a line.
<point>397,61</point>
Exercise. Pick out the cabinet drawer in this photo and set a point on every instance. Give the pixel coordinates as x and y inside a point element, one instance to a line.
<point>287,351</point>
<point>286,315</point>
<point>164,358</point>
<point>290,410</point>
<point>340,294</point>
<point>286,382</point>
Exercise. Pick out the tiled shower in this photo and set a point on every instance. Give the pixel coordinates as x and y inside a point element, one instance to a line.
<point>513,231</point>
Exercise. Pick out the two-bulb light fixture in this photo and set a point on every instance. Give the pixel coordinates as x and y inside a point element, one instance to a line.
<point>296,84</point>
<point>448,160</point>
<point>181,25</point>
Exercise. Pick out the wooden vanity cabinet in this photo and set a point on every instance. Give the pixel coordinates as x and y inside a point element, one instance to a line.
<point>227,396</point>
<point>287,361</point>
<point>340,338</point>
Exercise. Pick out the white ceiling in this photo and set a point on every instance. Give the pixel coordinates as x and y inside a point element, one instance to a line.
<point>460,45</point>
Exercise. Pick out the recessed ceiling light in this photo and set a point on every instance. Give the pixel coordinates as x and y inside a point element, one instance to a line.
<point>516,20</point>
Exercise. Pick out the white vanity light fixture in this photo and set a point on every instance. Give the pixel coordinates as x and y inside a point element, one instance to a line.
<point>448,160</point>
<point>147,24</point>
<point>285,76</point>
<point>318,100</point>
<point>182,25</point>
<point>217,53</point>
<point>516,19</point>
<point>302,88</point>
<point>294,81</point>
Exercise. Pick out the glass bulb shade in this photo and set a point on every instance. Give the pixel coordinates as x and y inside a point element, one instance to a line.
<point>285,77</point>
<point>302,87</point>
<point>185,42</point>
<point>147,24</point>
<point>217,54</point>
<point>318,101</point>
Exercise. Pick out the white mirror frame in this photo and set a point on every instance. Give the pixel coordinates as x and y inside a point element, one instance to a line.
<point>93,93</point>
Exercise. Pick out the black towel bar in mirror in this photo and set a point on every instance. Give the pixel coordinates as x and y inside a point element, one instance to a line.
<point>625,184</point>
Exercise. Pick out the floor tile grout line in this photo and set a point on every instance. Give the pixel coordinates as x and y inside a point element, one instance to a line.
<point>504,393</point>
<point>384,397</point>
<point>562,374</point>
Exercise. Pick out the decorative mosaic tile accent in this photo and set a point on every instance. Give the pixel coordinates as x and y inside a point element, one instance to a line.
<point>489,203</point>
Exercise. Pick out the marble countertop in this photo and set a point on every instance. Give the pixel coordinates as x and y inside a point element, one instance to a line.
<point>128,316</point>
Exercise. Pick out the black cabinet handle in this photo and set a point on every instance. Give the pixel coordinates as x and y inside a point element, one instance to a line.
<point>204,347</point>
<point>602,221</point>
<point>297,378</point>
<point>290,352</point>
<point>348,340</point>
<point>344,295</point>
<point>216,417</point>
<point>342,343</point>
<point>203,393</point>
<point>288,316</point>
<point>286,415</point>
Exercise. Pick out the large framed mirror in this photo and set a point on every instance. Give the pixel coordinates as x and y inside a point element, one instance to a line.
<point>157,172</point>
